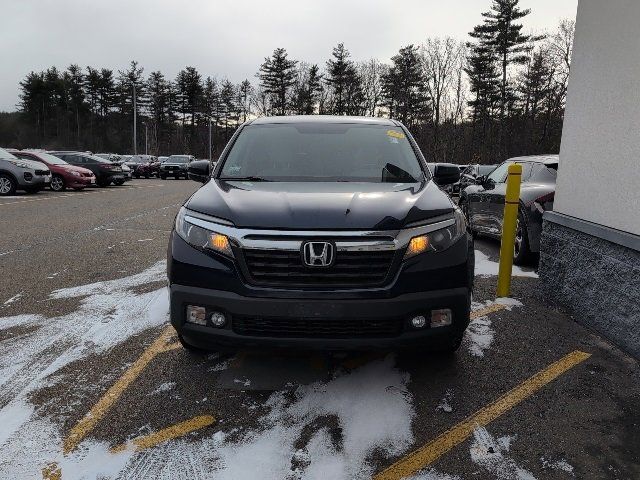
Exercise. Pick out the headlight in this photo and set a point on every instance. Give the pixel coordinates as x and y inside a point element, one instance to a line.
<point>440,239</point>
<point>75,174</point>
<point>19,164</point>
<point>202,238</point>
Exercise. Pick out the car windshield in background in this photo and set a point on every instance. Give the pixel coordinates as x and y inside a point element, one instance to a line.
<point>98,159</point>
<point>322,153</point>
<point>485,169</point>
<point>179,159</point>
<point>6,155</point>
<point>52,159</point>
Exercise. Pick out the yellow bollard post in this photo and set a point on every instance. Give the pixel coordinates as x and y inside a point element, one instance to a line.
<point>510,218</point>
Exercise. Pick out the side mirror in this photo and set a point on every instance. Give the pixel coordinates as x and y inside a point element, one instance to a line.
<point>446,173</point>
<point>198,171</point>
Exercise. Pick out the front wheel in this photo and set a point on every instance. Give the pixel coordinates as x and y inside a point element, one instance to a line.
<point>57,183</point>
<point>7,185</point>
<point>118,182</point>
<point>521,249</point>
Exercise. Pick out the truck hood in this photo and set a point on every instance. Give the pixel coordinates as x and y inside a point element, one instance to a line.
<point>316,205</point>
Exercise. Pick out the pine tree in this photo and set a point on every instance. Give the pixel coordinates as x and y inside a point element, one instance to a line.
<point>502,36</point>
<point>404,87</point>
<point>245,91</point>
<point>483,82</point>
<point>277,77</point>
<point>343,81</point>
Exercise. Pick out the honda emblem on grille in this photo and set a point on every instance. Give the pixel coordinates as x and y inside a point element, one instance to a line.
<point>318,254</point>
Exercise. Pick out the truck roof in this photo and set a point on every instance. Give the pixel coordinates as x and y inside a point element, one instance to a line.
<point>292,119</point>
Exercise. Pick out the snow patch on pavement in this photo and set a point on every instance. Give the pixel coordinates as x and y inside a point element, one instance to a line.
<point>433,475</point>
<point>109,313</point>
<point>373,409</point>
<point>164,387</point>
<point>479,335</point>
<point>485,267</point>
<point>561,465</point>
<point>490,454</point>
<point>13,299</point>
<point>445,403</point>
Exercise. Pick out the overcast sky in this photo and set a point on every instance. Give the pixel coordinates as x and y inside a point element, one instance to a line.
<point>227,38</point>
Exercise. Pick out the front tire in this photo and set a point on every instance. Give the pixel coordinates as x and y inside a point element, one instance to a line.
<point>57,184</point>
<point>521,250</point>
<point>118,182</point>
<point>7,185</point>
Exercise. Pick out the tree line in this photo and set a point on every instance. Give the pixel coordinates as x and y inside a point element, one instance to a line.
<point>500,93</point>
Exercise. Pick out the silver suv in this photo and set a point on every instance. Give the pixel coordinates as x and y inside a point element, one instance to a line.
<point>18,174</point>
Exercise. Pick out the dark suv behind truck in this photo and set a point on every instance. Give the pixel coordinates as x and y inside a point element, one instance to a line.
<point>320,232</point>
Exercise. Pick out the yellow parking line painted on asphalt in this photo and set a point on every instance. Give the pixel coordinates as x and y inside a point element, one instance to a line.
<point>98,411</point>
<point>174,431</point>
<point>429,453</point>
<point>64,195</point>
<point>481,312</point>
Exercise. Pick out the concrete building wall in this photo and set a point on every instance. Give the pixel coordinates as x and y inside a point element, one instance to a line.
<point>599,174</point>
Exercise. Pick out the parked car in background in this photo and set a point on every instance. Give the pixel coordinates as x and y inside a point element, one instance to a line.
<point>176,166</point>
<point>161,160</point>
<point>483,203</point>
<point>127,175</point>
<point>63,175</point>
<point>20,174</point>
<point>114,157</point>
<point>143,165</point>
<point>106,171</point>
<point>469,174</point>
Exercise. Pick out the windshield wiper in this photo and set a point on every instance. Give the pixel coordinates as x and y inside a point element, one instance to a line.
<point>250,178</point>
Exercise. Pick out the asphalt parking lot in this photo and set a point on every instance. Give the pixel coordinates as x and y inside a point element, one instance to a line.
<point>94,385</point>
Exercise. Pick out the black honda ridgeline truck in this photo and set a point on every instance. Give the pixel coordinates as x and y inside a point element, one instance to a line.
<point>321,233</point>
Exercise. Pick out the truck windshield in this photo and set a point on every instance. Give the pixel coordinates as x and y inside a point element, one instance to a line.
<point>330,152</point>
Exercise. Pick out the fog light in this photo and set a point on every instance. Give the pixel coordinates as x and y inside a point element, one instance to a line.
<point>218,319</point>
<point>440,318</point>
<point>418,321</point>
<point>197,315</point>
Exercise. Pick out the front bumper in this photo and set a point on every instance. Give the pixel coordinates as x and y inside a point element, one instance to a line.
<point>30,179</point>
<point>397,310</point>
<point>79,182</point>
<point>420,285</point>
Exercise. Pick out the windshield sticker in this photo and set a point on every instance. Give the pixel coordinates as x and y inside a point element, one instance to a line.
<point>395,134</point>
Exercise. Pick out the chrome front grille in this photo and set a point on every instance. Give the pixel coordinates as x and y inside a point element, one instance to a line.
<point>351,268</point>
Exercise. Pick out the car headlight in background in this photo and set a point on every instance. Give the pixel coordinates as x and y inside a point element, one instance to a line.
<point>440,239</point>
<point>75,174</point>
<point>202,238</point>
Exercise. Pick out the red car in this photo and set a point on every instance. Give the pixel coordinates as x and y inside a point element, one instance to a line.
<point>63,175</point>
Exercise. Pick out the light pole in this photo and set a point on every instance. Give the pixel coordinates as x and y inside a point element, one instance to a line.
<point>146,139</point>
<point>135,118</point>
